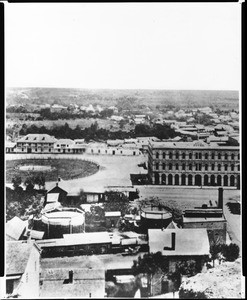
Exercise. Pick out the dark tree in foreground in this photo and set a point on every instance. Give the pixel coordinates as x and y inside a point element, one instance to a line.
<point>230,252</point>
<point>149,264</point>
<point>16,180</point>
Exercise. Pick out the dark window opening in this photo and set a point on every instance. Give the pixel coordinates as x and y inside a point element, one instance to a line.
<point>9,286</point>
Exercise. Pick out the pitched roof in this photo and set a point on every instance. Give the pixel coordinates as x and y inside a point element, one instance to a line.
<point>172,225</point>
<point>17,255</point>
<point>37,138</point>
<point>187,241</point>
<point>57,188</point>
<point>15,228</point>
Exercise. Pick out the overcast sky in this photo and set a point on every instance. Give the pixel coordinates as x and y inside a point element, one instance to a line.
<point>162,45</point>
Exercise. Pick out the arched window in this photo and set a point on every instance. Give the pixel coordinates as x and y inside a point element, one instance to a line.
<point>232,167</point>
<point>226,156</point>
<point>183,155</point>
<point>163,166</point>
<point>200,156</point>
<point>170,166</point>
<point>183,166</point>
<point>200,167</point>
<point>206,167</point>
<point>226,167</point>
<point>164,155</point>
<point>196,155</point>
<point>219,155</point>
<point>232,156</point>
<point>157,154</point>
<point>212,167</point>
<point>190,155</point>
<point>206,155</point>
<point>177,155</point>
<point>219,167</point>
<point>190,166</point>
<point>176,166</point>
<point>170,155</point>
<point>212,155</point>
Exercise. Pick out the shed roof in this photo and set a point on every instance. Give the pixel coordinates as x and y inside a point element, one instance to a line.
<point>52,197</point>
<point>15,228</point>
<point>112,214</point>
<point>187,241</point>
<point>88,238</point>
<point>37,235</point>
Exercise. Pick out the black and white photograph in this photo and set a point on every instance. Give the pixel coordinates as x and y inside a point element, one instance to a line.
<point>122,151</point>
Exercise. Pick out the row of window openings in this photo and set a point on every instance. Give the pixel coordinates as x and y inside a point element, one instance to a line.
<point>198,167</point>
<point>113,152</point>
<point>197,155</point>
<point>35,144</point>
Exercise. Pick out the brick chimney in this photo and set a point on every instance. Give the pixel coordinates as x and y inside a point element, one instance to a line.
<point>220,198</point>
<point>173,240</point>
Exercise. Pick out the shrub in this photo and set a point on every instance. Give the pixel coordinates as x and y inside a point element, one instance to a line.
<point>230,252</point>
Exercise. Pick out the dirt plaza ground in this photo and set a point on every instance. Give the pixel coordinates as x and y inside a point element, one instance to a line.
<point>114,171</point>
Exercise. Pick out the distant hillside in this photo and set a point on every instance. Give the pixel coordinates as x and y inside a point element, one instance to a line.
<point>106,97</point>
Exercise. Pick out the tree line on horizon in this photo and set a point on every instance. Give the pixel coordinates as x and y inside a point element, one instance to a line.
<point>101,134</point>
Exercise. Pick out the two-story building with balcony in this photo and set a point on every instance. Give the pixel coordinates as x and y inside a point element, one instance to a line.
<point>36,143</point>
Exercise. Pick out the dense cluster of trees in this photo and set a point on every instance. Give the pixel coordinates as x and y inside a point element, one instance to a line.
<point>70,114</point>
<point>98,134</point>
<point>224,251</point>
<point>23,203</point>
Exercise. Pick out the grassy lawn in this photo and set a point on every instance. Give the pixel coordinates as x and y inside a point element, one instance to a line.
<point>64,168</point>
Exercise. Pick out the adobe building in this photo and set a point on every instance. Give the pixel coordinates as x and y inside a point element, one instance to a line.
<point>193,164</point>
<point>211,218</point>
<point>180,244</point>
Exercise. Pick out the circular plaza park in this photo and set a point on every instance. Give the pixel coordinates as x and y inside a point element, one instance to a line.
<point>50,168</point>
